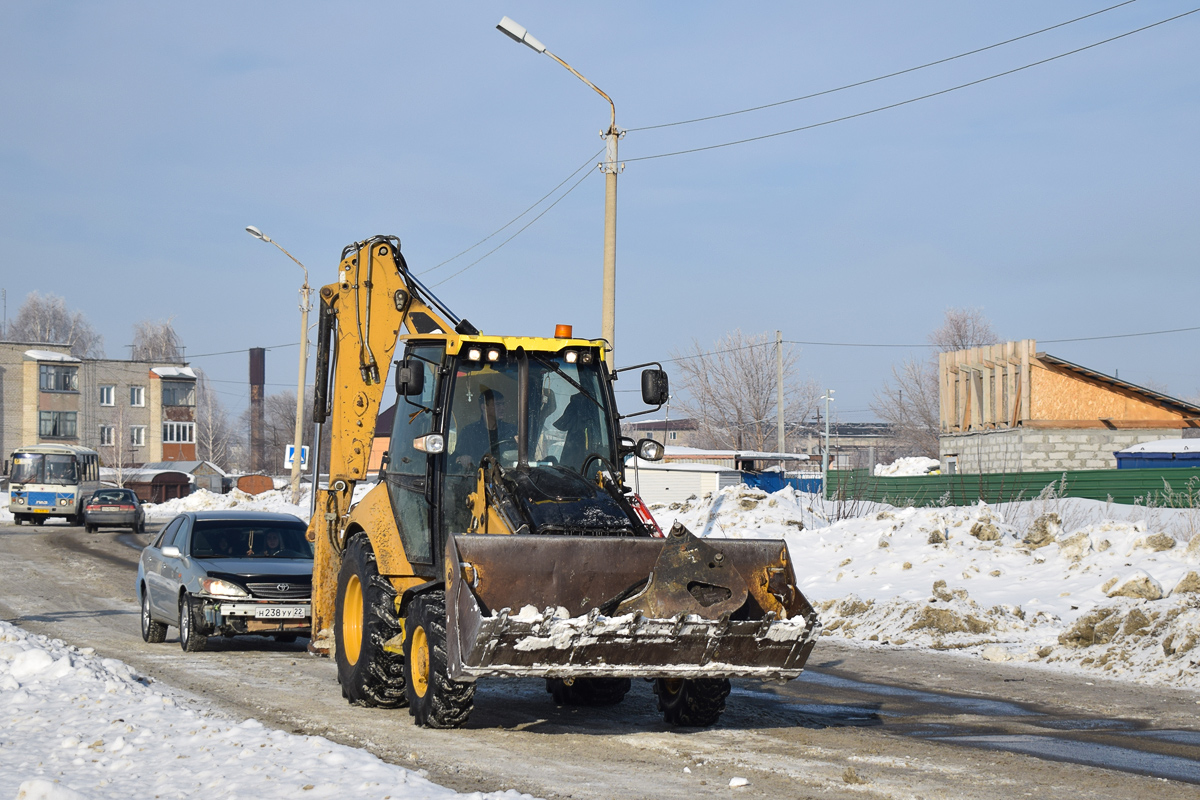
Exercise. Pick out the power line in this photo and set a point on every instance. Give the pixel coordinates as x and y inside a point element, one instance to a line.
<point>514,219</point>
<point>586,175</point>
<point>883,77</point>
<point>913,99</point>
<point>243,350</point>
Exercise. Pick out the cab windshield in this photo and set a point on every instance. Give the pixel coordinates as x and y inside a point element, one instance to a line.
<point>568,421</point>
<point>41,468</point>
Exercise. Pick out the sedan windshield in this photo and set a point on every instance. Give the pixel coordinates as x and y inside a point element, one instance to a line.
<point>238,539</point>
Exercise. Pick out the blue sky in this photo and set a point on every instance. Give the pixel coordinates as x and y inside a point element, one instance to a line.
<point>141,138</point>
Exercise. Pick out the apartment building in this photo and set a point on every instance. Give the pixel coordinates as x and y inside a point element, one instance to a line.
<point>131,412</point>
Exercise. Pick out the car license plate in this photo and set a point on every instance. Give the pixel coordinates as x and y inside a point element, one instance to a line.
<point>110,508</point>
<point>41,511</point>
<point>280,612</point>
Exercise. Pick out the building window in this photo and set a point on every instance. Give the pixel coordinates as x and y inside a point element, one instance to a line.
<point>673,434</point>
<point>179,432</point>
<point>137,435</point>
<point>137,396</point>
<point>108,395</point>
<point>106,435</point>
<point>58,378</point>
<point>56,424</point>
<point>178,393</point>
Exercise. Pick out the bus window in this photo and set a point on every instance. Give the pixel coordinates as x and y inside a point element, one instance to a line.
<point>27,468</point>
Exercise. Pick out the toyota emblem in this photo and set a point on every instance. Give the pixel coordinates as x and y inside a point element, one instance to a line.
<point>283,587</point>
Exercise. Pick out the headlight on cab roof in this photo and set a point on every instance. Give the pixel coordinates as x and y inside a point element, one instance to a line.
<point>222,588</point>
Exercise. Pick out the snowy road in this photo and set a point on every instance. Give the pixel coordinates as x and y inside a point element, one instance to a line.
<point>875,723</point>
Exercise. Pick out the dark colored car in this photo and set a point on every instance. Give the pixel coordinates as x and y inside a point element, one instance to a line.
<point>113,508</point>
<point>227,573</point>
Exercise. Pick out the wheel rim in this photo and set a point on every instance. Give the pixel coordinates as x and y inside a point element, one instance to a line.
<point>352,620</point>
<point>185,624</point>
<point>145,615</point>
<point>419,655</point>
<point>672,686</point>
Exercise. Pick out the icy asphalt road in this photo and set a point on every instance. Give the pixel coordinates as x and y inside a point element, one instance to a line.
<point>862,723</point>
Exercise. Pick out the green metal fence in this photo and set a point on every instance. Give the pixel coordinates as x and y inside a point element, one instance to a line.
<point>1160,487</point>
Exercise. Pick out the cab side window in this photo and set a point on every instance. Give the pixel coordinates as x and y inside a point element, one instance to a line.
<point>167,537</point>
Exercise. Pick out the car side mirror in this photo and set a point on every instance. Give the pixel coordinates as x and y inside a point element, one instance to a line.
<point>655,387</point>
<point>650,450</point>
<point>410,378</point>
<point>171,551</point>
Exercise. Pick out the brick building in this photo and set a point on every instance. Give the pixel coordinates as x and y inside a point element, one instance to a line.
<point>1009,408</point>
<point>131,412</point>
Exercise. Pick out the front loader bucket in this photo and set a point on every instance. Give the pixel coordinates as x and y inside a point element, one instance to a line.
<point>573,606</point>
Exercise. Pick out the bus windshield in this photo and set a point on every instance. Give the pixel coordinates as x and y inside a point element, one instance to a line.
<point>53,469</point>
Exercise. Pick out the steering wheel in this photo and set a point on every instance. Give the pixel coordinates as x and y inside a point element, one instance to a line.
<point>604,463</point>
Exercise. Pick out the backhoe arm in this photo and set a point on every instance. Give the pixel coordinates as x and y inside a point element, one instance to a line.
<point>361,318</point>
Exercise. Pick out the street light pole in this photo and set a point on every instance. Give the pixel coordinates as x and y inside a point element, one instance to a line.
<point>609,167</point>
<point>305,293</point>
<point>828,398</point>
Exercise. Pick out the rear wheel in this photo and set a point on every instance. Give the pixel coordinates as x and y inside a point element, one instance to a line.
<point>434,700</point>
<point>90,528</point>
<point>190,638</point>
<point>152,631</point>
<point>588,691</point>
<point>691,703</point>
<point>364,619</point>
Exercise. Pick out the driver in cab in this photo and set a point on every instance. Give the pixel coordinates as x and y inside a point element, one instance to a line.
<point>484,436</point>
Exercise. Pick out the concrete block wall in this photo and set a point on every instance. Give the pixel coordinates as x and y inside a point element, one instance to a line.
<point>1036,450</point>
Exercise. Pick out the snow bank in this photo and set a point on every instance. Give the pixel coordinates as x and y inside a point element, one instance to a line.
<point>904,467</point>
<point>76,725</point>
<point>1071,584</point>
<point>275,500</point>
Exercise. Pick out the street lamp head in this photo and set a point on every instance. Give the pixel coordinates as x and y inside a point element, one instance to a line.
<point>518,34</point>
<point>257,234</point>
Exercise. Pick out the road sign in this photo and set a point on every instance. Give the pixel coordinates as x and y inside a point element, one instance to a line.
<point>290,454</point>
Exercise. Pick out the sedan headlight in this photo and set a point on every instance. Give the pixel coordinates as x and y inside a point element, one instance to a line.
<point>222,588</point>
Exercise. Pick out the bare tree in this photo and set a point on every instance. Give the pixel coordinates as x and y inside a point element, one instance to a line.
<point>279,428</point>
<point>46,318</point>
<point>732,391</point>
<point>214,433</point>
<point>910,401</point>
<point>118,453</point>
<point>156,340</point>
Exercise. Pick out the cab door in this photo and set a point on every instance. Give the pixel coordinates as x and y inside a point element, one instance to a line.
<point>409,473</point>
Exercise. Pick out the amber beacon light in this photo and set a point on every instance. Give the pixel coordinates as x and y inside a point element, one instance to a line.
<point>562,331</point>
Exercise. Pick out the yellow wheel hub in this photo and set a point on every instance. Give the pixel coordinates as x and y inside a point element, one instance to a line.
<point>673,685</point>
<point>352,620</point>
<point>419,655</point>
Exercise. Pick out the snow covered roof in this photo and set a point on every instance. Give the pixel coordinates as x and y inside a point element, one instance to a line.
<point>174,372</point>
<point>50,355</point>
<point>674,451</point>
<point>1165,446</point>
<point>679,466</point>
<point>183,466</point>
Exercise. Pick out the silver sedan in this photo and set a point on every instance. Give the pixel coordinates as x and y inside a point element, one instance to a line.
<point>228,573</point>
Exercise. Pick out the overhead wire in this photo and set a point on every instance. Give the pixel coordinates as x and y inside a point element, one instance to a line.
<point>514,219</point>
<point>586,175</point>
<point>912,99</point>
<point>883,77</point>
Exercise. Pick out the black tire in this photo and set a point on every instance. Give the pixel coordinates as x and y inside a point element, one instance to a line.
<point>190,637</point>
<point>434,700</point>
<point>153,631</point>
<point>140,527</point>
<point>76,519</point>
<point>364,619</point>
<point>588,691</point>
<point>39,519</point>
<point>689,703</point>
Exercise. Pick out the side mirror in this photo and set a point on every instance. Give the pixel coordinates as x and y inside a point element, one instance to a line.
<point>171,551</point>
<point>655,387</point>
<point>650,450</point>
<point>410,378</point>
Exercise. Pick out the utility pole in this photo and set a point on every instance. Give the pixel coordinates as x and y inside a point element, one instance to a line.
<point>828,398</point>
<point>782,447</point>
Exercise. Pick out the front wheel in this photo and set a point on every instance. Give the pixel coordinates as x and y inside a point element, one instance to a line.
<point>588,691</point>
<point>434,700</point>
<point>152,631</point>
<point>691,703</point>
<point>190,638</point>
<point>364,620</point>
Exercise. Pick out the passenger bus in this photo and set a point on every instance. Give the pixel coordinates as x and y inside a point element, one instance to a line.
<point>51,480</point>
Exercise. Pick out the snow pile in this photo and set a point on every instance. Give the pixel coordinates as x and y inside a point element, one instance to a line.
<point>75,725</point>
<point>275,500</point>
<point>905,467</point>
<point>6,517</point>
<point>1069,584</point>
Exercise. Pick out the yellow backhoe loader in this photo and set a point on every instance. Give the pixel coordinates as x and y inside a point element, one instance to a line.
<point>502,538</point>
